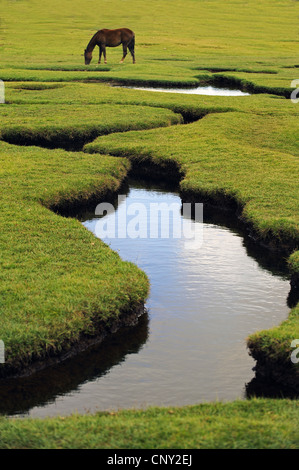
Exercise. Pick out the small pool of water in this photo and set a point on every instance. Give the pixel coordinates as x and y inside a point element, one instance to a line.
<point>200,90</point>
<point>190,345</point>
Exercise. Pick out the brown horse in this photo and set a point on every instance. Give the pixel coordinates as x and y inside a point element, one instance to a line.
<point>111,38</point>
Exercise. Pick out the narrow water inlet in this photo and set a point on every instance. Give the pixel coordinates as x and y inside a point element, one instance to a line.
<point>208,90</point>
<point>190,346</point>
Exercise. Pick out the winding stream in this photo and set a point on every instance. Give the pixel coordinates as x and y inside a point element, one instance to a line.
<point>190,345</point>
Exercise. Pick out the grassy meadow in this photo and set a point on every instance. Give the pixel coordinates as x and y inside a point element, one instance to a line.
<point>58,284</point>
<point>258,424</point>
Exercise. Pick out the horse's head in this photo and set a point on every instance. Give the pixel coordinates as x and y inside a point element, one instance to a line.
<point>87,57</point>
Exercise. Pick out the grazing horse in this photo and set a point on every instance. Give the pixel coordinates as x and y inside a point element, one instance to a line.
<point>111,38</point>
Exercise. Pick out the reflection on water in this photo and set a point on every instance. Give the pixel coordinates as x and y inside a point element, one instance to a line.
<point>190,346</point>
<point>200,90</point>
<point>49,388</point>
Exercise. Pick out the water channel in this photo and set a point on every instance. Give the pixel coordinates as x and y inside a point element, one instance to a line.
<point>208,293</point>
<point>208,90</point>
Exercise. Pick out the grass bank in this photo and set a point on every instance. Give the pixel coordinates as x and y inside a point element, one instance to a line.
<point>255,424</point>
<point>62,125</point>
<point>54,295</point>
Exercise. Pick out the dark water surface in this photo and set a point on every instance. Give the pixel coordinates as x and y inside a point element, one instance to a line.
<point>206,298</point>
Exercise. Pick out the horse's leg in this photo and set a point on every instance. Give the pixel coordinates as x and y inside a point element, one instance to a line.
<point>100,53</point>
<point>131,49</point>
<point>104,54</point>
<point>124,52</point>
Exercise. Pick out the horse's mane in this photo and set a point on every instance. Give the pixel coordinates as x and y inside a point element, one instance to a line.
<point>92,43</point>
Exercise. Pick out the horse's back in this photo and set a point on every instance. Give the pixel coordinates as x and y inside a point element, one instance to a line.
<point>114,37</point>
<point>125,31</point>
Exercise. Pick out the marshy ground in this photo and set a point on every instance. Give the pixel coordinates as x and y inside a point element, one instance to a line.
<point>241,151</point>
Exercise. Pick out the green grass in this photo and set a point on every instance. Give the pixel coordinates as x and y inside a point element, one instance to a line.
<point>60,124</point>
<point>57,282</point>
<point>255,424</point>
<point>201,36</point>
